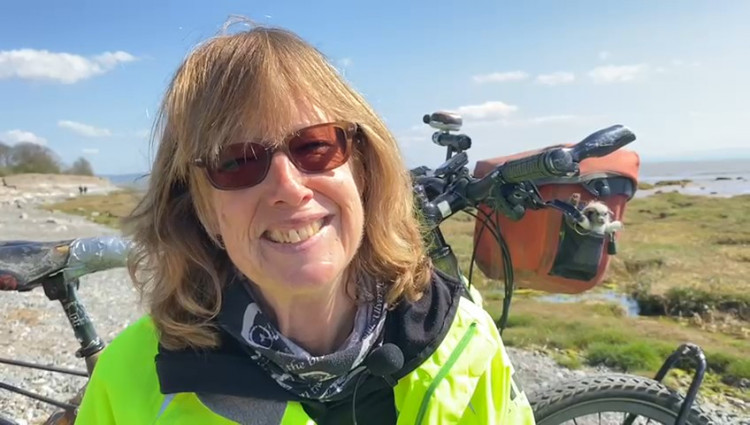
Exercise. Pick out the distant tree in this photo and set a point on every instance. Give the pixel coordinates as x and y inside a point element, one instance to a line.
<point>33,158</point>
<point>4,158</point>
<point>4,154</point>
<point>81,167</point>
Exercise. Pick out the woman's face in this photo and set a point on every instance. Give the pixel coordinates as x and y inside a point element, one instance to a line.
<point>294,232</point>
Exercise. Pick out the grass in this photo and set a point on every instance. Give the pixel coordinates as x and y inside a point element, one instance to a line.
<point>682,182</point>
<point>687,253</point>
<point>684,258</point>
<point>594,334</point>
<point>106,209</point>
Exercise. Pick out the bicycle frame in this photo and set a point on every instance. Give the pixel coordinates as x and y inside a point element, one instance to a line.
<point>57,288</point>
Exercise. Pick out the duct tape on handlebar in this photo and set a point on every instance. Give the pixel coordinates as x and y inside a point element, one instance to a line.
<point>90,255</point>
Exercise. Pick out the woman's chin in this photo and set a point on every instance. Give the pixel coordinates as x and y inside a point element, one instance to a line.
<point>308,277</point>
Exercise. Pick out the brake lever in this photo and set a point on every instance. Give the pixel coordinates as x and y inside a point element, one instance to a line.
<point>452,165</point>
<point>566,208</point>
<point>529,194</point>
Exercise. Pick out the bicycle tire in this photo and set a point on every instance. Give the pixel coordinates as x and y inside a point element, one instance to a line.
<point>612,393</point>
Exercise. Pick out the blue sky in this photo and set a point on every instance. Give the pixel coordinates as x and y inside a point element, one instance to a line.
<point>84,77</point>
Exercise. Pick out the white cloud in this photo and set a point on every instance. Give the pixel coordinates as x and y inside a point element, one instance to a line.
<point>91,151</point>
<point>409,140</point>
<point>548,120</point>
<point>681,63</point>
<point>19,136</point>
<point>142,134</point>
<point>487,111</point>
<point>110,59</point>
<point>553,119</point>
<point>62,67</point>
<point>604,55</point>
<point>618,74</point>
<point>415,135</point>
<point>84,129</point>
<point>345,62</point>
<point>556,78</point>
<point>500,77</point>
<point>676,65</point>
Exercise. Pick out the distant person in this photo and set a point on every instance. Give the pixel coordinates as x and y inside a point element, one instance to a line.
<point>80,190</point>
<point>85,189</point>
<point>282,260</point>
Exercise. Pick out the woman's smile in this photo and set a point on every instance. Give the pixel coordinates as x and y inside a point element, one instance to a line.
<point>297,239</point>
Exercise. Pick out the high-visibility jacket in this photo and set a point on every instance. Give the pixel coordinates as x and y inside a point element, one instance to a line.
<point>467,380</point>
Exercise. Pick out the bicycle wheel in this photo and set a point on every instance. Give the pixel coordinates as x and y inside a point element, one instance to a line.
<point>610,399</point>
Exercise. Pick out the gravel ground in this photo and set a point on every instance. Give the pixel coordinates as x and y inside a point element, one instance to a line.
<point>35,329</point>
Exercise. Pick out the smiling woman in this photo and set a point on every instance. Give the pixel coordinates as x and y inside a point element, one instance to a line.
<point>283,263</point>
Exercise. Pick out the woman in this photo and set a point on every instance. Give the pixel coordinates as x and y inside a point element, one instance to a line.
<point>282,261</point>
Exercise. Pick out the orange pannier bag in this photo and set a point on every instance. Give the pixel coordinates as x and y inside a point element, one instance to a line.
<point>547,252</point>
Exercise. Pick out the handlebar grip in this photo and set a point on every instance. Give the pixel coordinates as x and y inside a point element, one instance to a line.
<point>91,255</point>
<point>603,142</point>
<point>553,163</point>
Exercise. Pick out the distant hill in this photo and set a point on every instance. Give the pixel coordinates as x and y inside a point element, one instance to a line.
<point>131,181</point>
<point>702,155</point>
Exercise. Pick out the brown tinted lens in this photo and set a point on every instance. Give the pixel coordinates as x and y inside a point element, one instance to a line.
<point>319,148</point>
<point>240,165</point>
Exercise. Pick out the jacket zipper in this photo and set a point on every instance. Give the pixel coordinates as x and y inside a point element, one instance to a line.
<point>443,372</point>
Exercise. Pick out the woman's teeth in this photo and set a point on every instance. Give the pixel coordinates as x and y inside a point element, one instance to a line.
<point>295,235</point>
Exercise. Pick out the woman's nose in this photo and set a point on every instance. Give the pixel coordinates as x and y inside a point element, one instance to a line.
<point>286,183</point>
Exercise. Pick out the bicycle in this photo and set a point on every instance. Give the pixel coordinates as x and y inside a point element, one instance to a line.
<point>440,193</point>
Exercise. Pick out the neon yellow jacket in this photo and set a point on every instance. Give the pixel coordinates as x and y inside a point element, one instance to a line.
<point>466,381</point>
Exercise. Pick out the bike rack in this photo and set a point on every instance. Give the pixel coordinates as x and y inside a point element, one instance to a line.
<point>694,353</point>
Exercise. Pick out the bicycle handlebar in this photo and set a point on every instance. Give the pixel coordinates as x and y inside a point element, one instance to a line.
<point>602,142</point>
<point>91,255</point>
<point>25,265</point>
<point>554,162</point>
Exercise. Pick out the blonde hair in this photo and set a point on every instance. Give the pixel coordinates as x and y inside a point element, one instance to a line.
<point>255,80</point>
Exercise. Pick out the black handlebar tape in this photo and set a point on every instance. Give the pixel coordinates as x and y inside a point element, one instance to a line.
<point>552,163</point>
<point>602,142</point>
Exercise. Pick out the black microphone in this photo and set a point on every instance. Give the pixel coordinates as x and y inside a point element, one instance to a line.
<point>385,361</point>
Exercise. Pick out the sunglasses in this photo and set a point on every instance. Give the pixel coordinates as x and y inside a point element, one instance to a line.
<point>314,149</point>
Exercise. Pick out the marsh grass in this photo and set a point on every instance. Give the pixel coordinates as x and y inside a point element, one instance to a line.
<point>106,209</point>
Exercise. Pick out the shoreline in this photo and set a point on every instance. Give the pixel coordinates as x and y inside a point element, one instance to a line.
<point>724,187</point>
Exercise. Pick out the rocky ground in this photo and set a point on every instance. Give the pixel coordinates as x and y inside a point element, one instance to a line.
<point>34,329</point>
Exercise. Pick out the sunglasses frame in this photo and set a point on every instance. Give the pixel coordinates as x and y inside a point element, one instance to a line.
<point>352,132</point>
